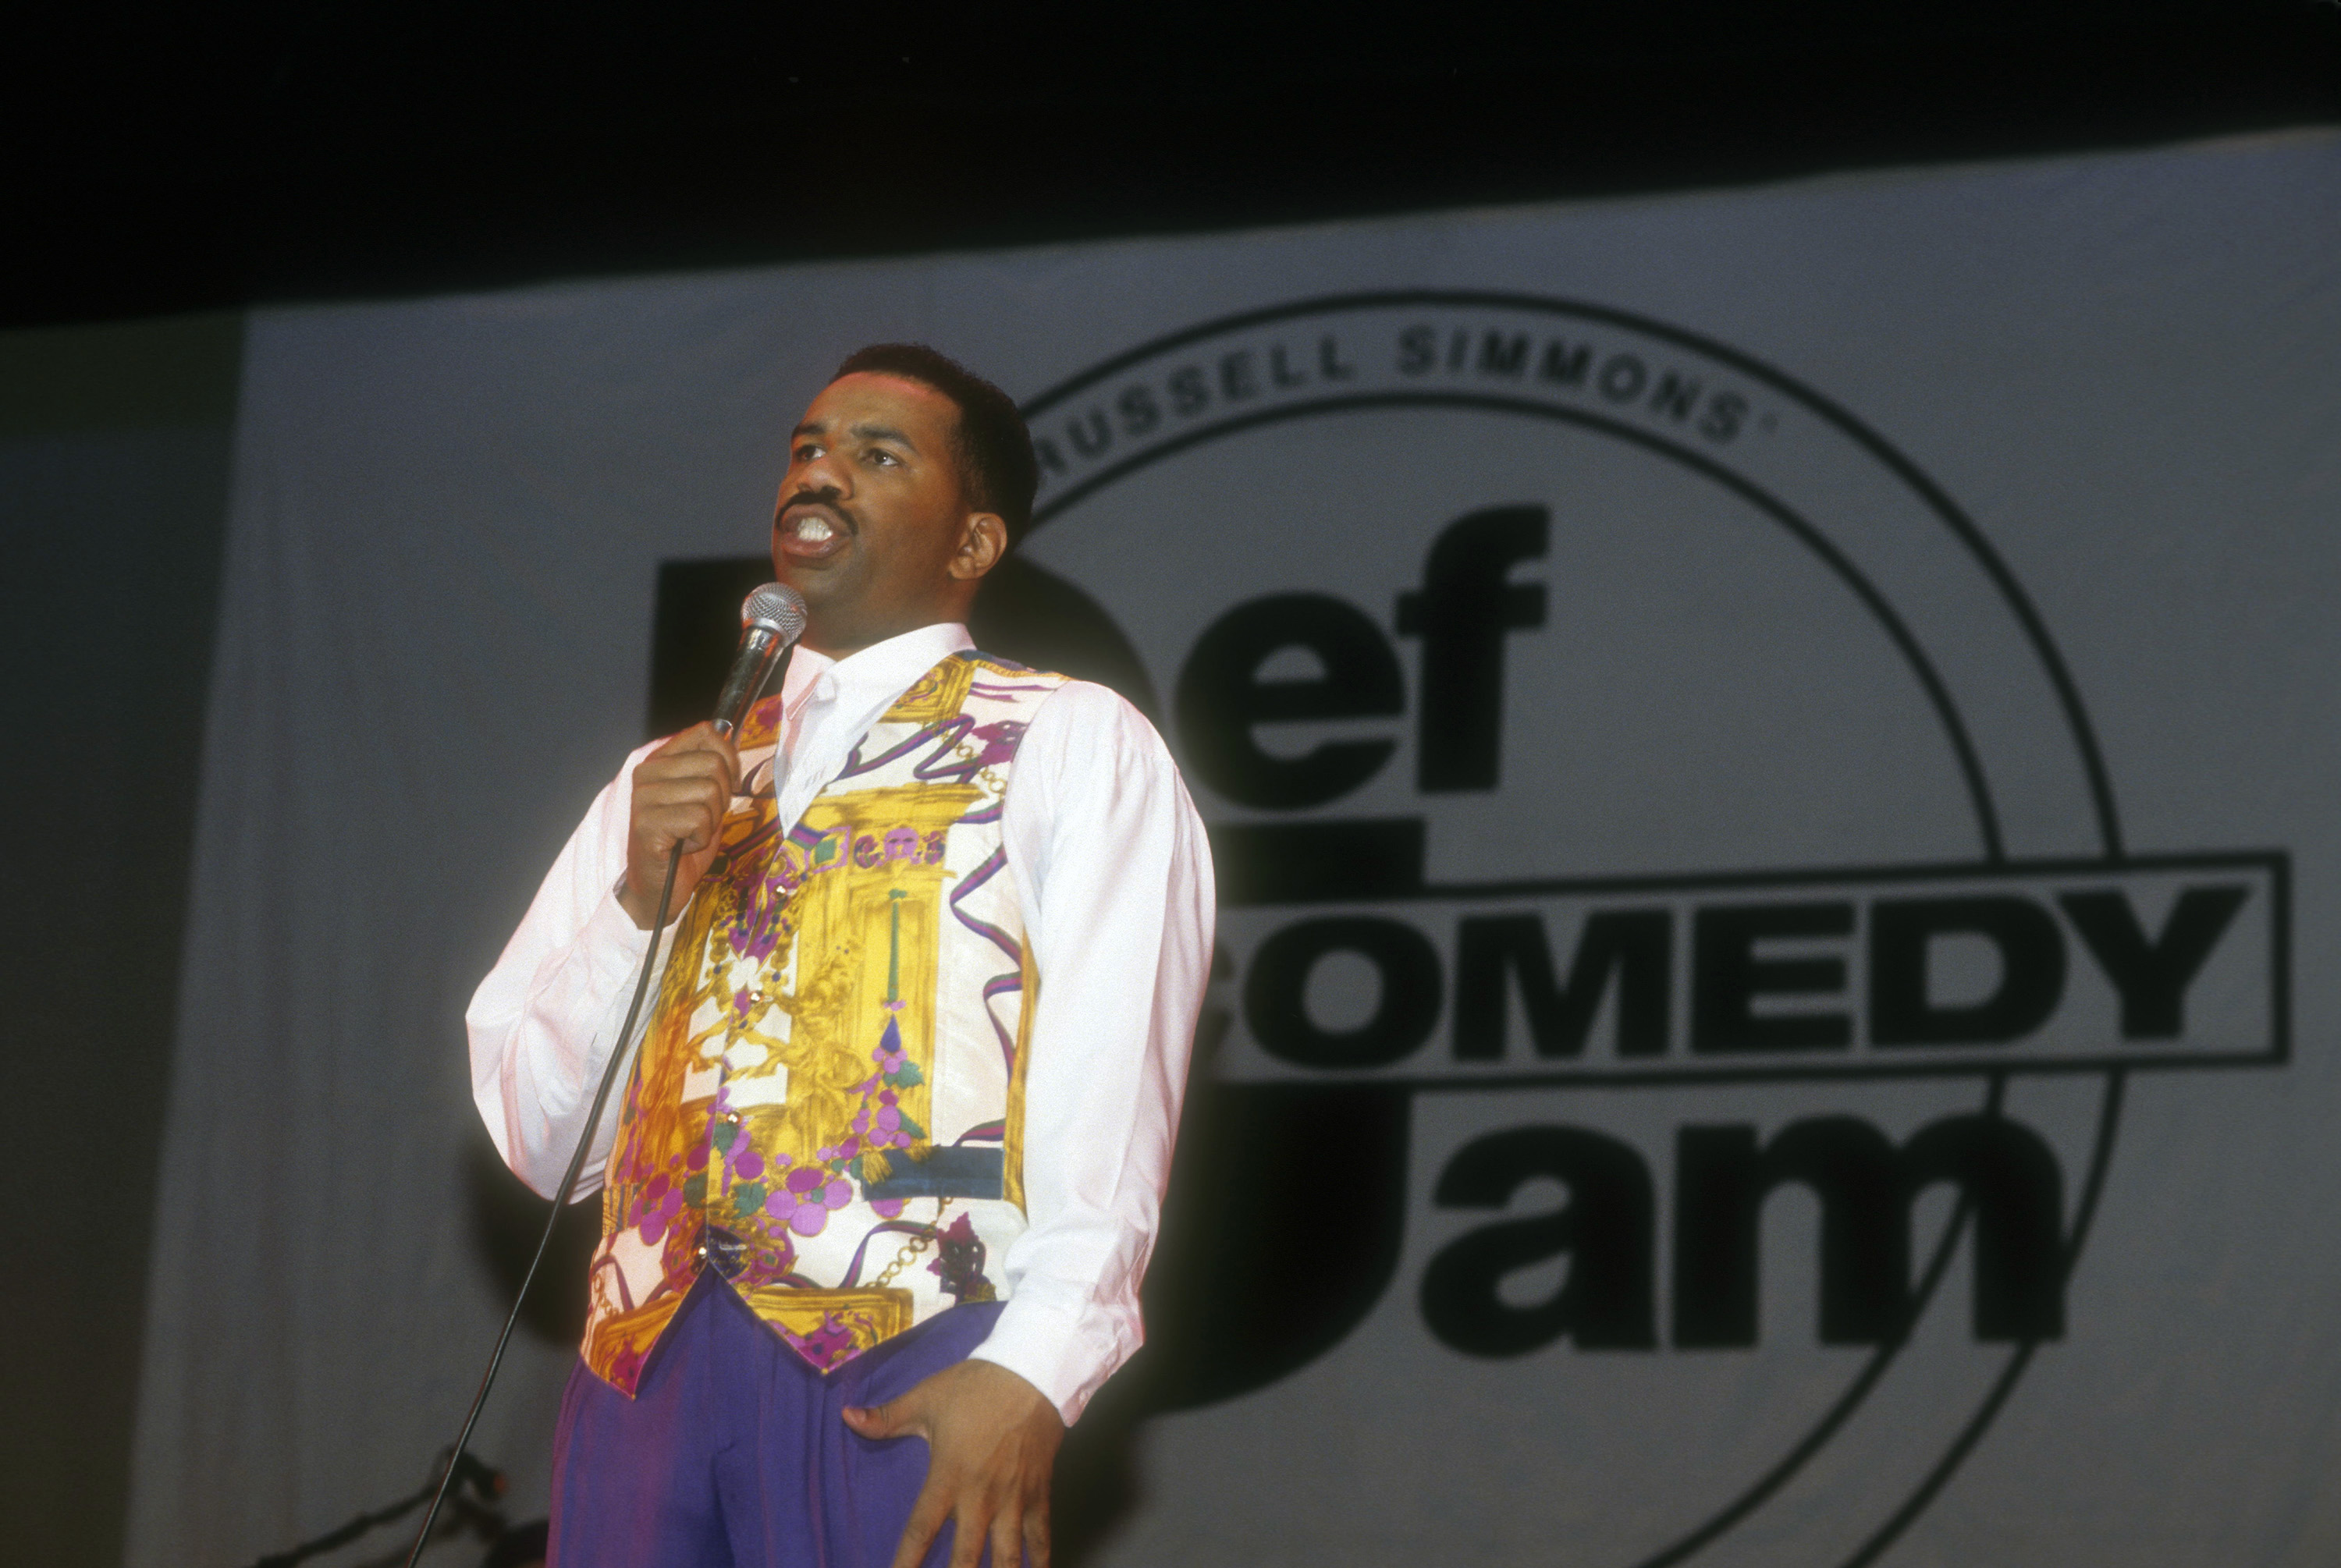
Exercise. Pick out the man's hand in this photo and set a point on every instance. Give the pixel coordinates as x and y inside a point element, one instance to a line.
<point>991,1441</point>
<point>681,793</point>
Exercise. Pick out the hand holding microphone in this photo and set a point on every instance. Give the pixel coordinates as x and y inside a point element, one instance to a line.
<point>681,790</point>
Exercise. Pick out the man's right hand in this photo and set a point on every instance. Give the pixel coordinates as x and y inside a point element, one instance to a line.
<point>681,791</point>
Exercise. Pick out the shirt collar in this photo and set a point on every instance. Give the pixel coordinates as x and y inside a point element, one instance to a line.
<point>880,672</point>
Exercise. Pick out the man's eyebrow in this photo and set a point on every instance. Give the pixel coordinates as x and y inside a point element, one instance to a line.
<point>810,427</point>
<point>882,433</point>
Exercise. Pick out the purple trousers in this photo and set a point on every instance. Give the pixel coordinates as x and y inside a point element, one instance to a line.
<point>732,1454</point>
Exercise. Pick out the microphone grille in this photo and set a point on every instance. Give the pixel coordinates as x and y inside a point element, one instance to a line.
<point>777,606</point>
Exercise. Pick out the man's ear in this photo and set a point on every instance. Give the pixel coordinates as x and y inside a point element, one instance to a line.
<point>981,544</point>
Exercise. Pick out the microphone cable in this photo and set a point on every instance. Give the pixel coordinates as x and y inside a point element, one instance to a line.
<point>735,690</point>
<point>619,1056</point>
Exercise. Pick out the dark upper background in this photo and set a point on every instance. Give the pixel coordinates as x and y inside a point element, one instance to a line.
<point>180,159</point>
<point>170,158</point>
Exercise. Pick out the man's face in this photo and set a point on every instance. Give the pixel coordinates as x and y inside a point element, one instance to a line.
<point>873,525</point>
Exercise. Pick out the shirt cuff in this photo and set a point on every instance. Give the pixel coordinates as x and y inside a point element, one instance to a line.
<point>612,946</point>
<point>1065,1348</point>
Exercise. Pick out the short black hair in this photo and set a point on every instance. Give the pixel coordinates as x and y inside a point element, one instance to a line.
<point>993,448</point>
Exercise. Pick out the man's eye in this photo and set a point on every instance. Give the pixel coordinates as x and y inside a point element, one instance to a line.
<point>885,457</point>
<point>807,452</point>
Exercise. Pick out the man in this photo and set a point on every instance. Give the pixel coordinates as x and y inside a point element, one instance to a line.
<point>890,1159</point>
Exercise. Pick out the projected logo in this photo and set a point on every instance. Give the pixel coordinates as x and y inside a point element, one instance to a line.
<point>1681,968</point>
<point>1680,964</point>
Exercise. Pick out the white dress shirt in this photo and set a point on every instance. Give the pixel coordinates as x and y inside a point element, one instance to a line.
<point>1113,875</point>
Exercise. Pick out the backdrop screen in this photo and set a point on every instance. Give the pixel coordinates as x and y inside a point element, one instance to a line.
<point>1771,757</point>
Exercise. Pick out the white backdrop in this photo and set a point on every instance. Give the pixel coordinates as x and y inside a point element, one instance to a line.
<point>1763,654</point>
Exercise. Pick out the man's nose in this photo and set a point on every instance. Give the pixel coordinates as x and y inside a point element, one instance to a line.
<point>822,473</point>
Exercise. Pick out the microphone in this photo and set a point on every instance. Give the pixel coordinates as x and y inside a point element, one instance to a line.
<point>771,621</point>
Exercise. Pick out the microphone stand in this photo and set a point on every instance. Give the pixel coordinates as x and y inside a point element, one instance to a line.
<point>618,1055</point>
<point>725,723</point>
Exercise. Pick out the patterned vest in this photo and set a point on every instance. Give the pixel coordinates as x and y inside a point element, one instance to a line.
<point>828,1107</point>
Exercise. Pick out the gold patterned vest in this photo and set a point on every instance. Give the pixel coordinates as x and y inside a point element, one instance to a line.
<point>828,1106</point>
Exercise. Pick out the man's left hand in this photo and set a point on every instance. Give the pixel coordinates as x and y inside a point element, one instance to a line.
<point>991,1442</point>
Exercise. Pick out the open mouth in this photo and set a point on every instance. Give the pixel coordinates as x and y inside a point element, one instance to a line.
<point>809,533</point>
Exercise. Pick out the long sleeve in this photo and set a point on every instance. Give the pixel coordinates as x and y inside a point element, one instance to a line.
<point>1114,874</point>
<point>545,1021</point>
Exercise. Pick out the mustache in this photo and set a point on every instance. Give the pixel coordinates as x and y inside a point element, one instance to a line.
<point>828,499</point>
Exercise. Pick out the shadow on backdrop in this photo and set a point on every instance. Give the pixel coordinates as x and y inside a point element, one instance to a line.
<point>506,1219</point>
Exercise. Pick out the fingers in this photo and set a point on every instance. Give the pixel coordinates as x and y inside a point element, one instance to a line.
<point>902,1416</point>
<point>681,793</point>
<point>703,738</point>
<point>882,1421</point>
<point>992,1442</point>
<point>1007,1539</point>
<point>1036,1532</point>
<point>926,1516</point>
<point>968,1532</point>
<point>695,749</point>
<point>698,764</point>
<point>685,811</point>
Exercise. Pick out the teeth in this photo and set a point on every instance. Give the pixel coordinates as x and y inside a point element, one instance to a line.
<point>814,530</point>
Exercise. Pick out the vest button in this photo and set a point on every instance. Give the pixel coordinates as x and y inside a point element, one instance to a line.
<point>724,1252</point>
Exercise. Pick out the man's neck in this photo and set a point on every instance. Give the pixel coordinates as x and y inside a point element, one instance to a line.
<point>841,646</point>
